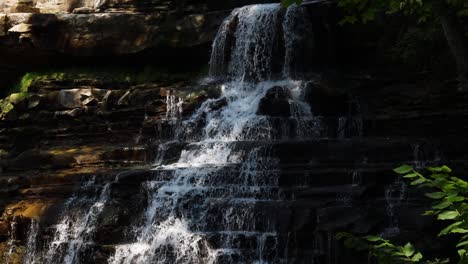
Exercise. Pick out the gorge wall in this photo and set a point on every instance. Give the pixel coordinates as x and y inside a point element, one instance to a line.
<point>261,162</point>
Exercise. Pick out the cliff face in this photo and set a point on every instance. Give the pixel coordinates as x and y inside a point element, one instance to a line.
<point>101,106</point>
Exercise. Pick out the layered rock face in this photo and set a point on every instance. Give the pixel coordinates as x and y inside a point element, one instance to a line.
<point>246,166</point>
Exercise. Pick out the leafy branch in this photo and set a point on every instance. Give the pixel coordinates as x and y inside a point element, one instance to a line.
<point>449,204</point>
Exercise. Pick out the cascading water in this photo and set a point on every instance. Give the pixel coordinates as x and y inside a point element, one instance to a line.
<point>74,233</point>
<point>208,210</point>
<point>31,246</point>
<point>214,204</point>
<point>173,106</point>
<point>11,242</point>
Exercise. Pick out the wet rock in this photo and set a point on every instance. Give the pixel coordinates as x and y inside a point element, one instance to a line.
<point>90,101</point>
<point>326,100</point>
<point>82,35</point>
<point>83,10</point>
<point>24,6</point>
<point>275,102</point>
<point>338,217</point>
<point>29,159</point>
<point>111,99</point>
<point>68,113</point>
<point>73,98</point>
<point>3,31</point>
<point>140,96</point>
<point>21,28</point>
<point>124,100</point>
<point>218,104</point>
<point>34,101</point>
<point>4,228</point>
<point>126,154</point>
<point>155,107</point>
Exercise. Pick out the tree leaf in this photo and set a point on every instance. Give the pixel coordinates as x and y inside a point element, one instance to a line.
<point>373,238</point>
<point>411,175</point>
<point>408,250</point>
<point>447,215</point>
<point>449,228</point>
<point>462,243</point>
<point>456,199</point>
<point>459,231</point>
<point>442,205</point>
<point>417,257</point>
<point>418,181</point>
<point>446,169</point>
<point>435,195</point>
<point>403,169</point>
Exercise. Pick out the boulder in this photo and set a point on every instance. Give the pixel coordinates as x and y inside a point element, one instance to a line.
<point>73,98</point>
<point>275,102</point>
<point>21,28</point>
<point>126,33</point>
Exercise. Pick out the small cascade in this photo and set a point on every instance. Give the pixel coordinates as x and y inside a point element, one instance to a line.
<point>351,125</point>
<point>356,174</point>
<point>395,194</point>
<point>216,200</point>
<point>74,232</point>
<point>417,157</point>
<point>173,106</point>
<point>214,205</point>
<point>249,41</point>
<point>11,242</point>
<point>341,131</point>
<point>31,244</point>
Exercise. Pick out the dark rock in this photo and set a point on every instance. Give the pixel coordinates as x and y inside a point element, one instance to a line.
<point>326,100</point>
<point>218,104</point>
<point>275,102</point>
<point>29,159</point>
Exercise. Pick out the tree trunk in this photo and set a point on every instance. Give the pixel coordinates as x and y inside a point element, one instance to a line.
<point>457,42</point>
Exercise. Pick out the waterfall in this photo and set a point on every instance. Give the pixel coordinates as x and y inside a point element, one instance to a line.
<point>11,241</point>
<point>31,244</point>
<point>211,203</point>
<point>217,203</point>
<point>395,193</point>
<point>74,233</point>
<point>250,42</point>
<point>173,106</point>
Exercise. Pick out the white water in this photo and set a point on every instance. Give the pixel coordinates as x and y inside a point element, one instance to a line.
<point>219,181</point>
<point>214,205</point>
<point>31,244</point>
<point>75,230</point>
<point>173,106</point>
<point>11,242</point>
<point>395,193</point>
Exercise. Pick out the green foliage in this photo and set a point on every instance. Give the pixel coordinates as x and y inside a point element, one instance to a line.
<point>449,195</point>
<point>117,74</point>
<point>365,11</point>
<point>449,203</point>
<point>384,251</point>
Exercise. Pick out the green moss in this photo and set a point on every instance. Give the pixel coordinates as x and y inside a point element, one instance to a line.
<point>133,76</point>
<point>147,74</point>
<point>5,106</point>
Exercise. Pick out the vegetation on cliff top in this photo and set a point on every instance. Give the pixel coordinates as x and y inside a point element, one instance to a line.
<point>450,15</point>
